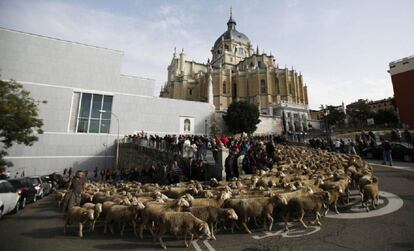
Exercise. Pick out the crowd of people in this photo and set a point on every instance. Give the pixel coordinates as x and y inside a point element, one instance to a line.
<point>247,154</point>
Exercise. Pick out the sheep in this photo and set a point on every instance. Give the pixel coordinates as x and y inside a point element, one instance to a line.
<point>78,215</point>
<point>97,212</point>
<point>59,196</point>
<point>210,202</point>
<point>176,193</point>
<point>371,193</point>
<point>333,196</point>
<point>178,223</point>
<point>123,214</point>
<point>153,211</point>
<point>253,208</point>
<point>85,198</point>
<point>212,215</point>
<point>298,206</point>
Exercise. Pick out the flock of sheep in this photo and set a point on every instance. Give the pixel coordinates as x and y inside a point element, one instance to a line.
<point>305,181</point>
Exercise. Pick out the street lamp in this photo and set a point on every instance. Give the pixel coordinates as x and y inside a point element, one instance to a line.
<point>117,138</point>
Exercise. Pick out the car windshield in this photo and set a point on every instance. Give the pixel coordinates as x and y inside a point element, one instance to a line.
<point>35,181</point>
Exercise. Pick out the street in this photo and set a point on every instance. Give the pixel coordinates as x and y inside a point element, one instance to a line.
<point>391,227</point>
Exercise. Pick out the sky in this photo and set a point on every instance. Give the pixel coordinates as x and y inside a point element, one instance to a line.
<point>341,47</point>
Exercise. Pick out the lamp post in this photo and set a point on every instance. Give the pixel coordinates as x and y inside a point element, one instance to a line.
<point>117,138</point>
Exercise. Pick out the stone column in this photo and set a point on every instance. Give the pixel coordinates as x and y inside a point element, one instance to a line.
<point>222,155</point>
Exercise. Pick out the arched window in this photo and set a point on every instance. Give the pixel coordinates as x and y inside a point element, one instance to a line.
<point>224,87</point>
<point>218,51</point>
<point>187,125</point>
<point>263,87</point>
<point>190,92</point>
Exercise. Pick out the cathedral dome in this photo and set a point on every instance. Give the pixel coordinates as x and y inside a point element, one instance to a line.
<point>232,34</point>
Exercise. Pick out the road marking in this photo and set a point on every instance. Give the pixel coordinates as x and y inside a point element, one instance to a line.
<point>196,246</point>
<point>209,247</point>
<point>206,243</point>
<point>298,231</point>
<point>394,204</point>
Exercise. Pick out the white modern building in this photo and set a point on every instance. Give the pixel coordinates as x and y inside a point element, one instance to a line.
<point>86,97</point>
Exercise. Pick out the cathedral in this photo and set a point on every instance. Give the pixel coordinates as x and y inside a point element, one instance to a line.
<point>240,72</point>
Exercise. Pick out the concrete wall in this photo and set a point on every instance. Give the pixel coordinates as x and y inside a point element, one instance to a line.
<point>52,70</point>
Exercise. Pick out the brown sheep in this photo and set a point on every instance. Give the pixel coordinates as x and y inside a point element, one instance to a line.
<point>212,215</point>
<point>179,223</point>
<point>297,207</point>
<point>80,216</point>
<point>371,193</point>
<point>123,214</point>
<point>97,208</point>
<point>153,211</point>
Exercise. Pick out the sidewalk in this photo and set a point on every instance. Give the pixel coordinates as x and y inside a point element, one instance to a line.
<point>408,166</point>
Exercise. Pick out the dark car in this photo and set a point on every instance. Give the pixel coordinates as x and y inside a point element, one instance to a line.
<point>57,180</point>
<point>399,152</point>
<point>25,189</point>
<point>47,184</point>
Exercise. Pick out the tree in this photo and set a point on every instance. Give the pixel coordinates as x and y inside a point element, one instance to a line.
<point>19,120</point>
<point>359,112</point>
<point>385,117</point>
<point>333,115</point>
<point>242,116</point>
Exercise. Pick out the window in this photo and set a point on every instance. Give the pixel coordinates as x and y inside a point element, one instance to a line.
<point>226,47</point>
<point>218,52</point>
<point>190,92</point>
<point>187,125</point>
<point>94,113</point>
<point>224,87</point>
<point>259,64</point>
<point>263,87</point>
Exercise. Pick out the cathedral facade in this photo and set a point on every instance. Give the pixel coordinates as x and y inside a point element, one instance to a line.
<point>239,72</point>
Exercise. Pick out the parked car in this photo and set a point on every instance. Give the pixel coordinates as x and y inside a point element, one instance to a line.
<point>9,199</point>
<point>25,189</point>
<point>47,184</point>
<point>38,185</point>
<point>399,152</point>
<point>57,180</point>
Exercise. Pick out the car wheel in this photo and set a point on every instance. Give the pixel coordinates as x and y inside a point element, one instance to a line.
<point>17,207</point>
<point>23,203</point>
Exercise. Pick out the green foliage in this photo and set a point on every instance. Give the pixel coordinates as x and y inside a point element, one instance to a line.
<point>242,116</point>
<point>359,112</point>
<point>334,116</point>
<point>19,120</point>
<point>385,117</point>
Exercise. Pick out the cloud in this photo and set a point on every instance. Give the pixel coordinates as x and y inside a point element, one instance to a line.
<point>332,91</point>
<point>145,39</point>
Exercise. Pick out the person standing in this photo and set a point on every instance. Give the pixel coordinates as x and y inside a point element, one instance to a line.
<point>386,151</point>
<point>337,145</point>
<point>175,172</point>
<point>230,164</point>
<point>95,173</point>
<point>75,188</point>
<point>351,147</point>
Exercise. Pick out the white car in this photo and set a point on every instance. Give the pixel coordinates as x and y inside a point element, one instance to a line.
<point>9,199</point>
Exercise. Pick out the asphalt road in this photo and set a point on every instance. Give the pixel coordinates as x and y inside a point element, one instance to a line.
<point>40,227</point>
